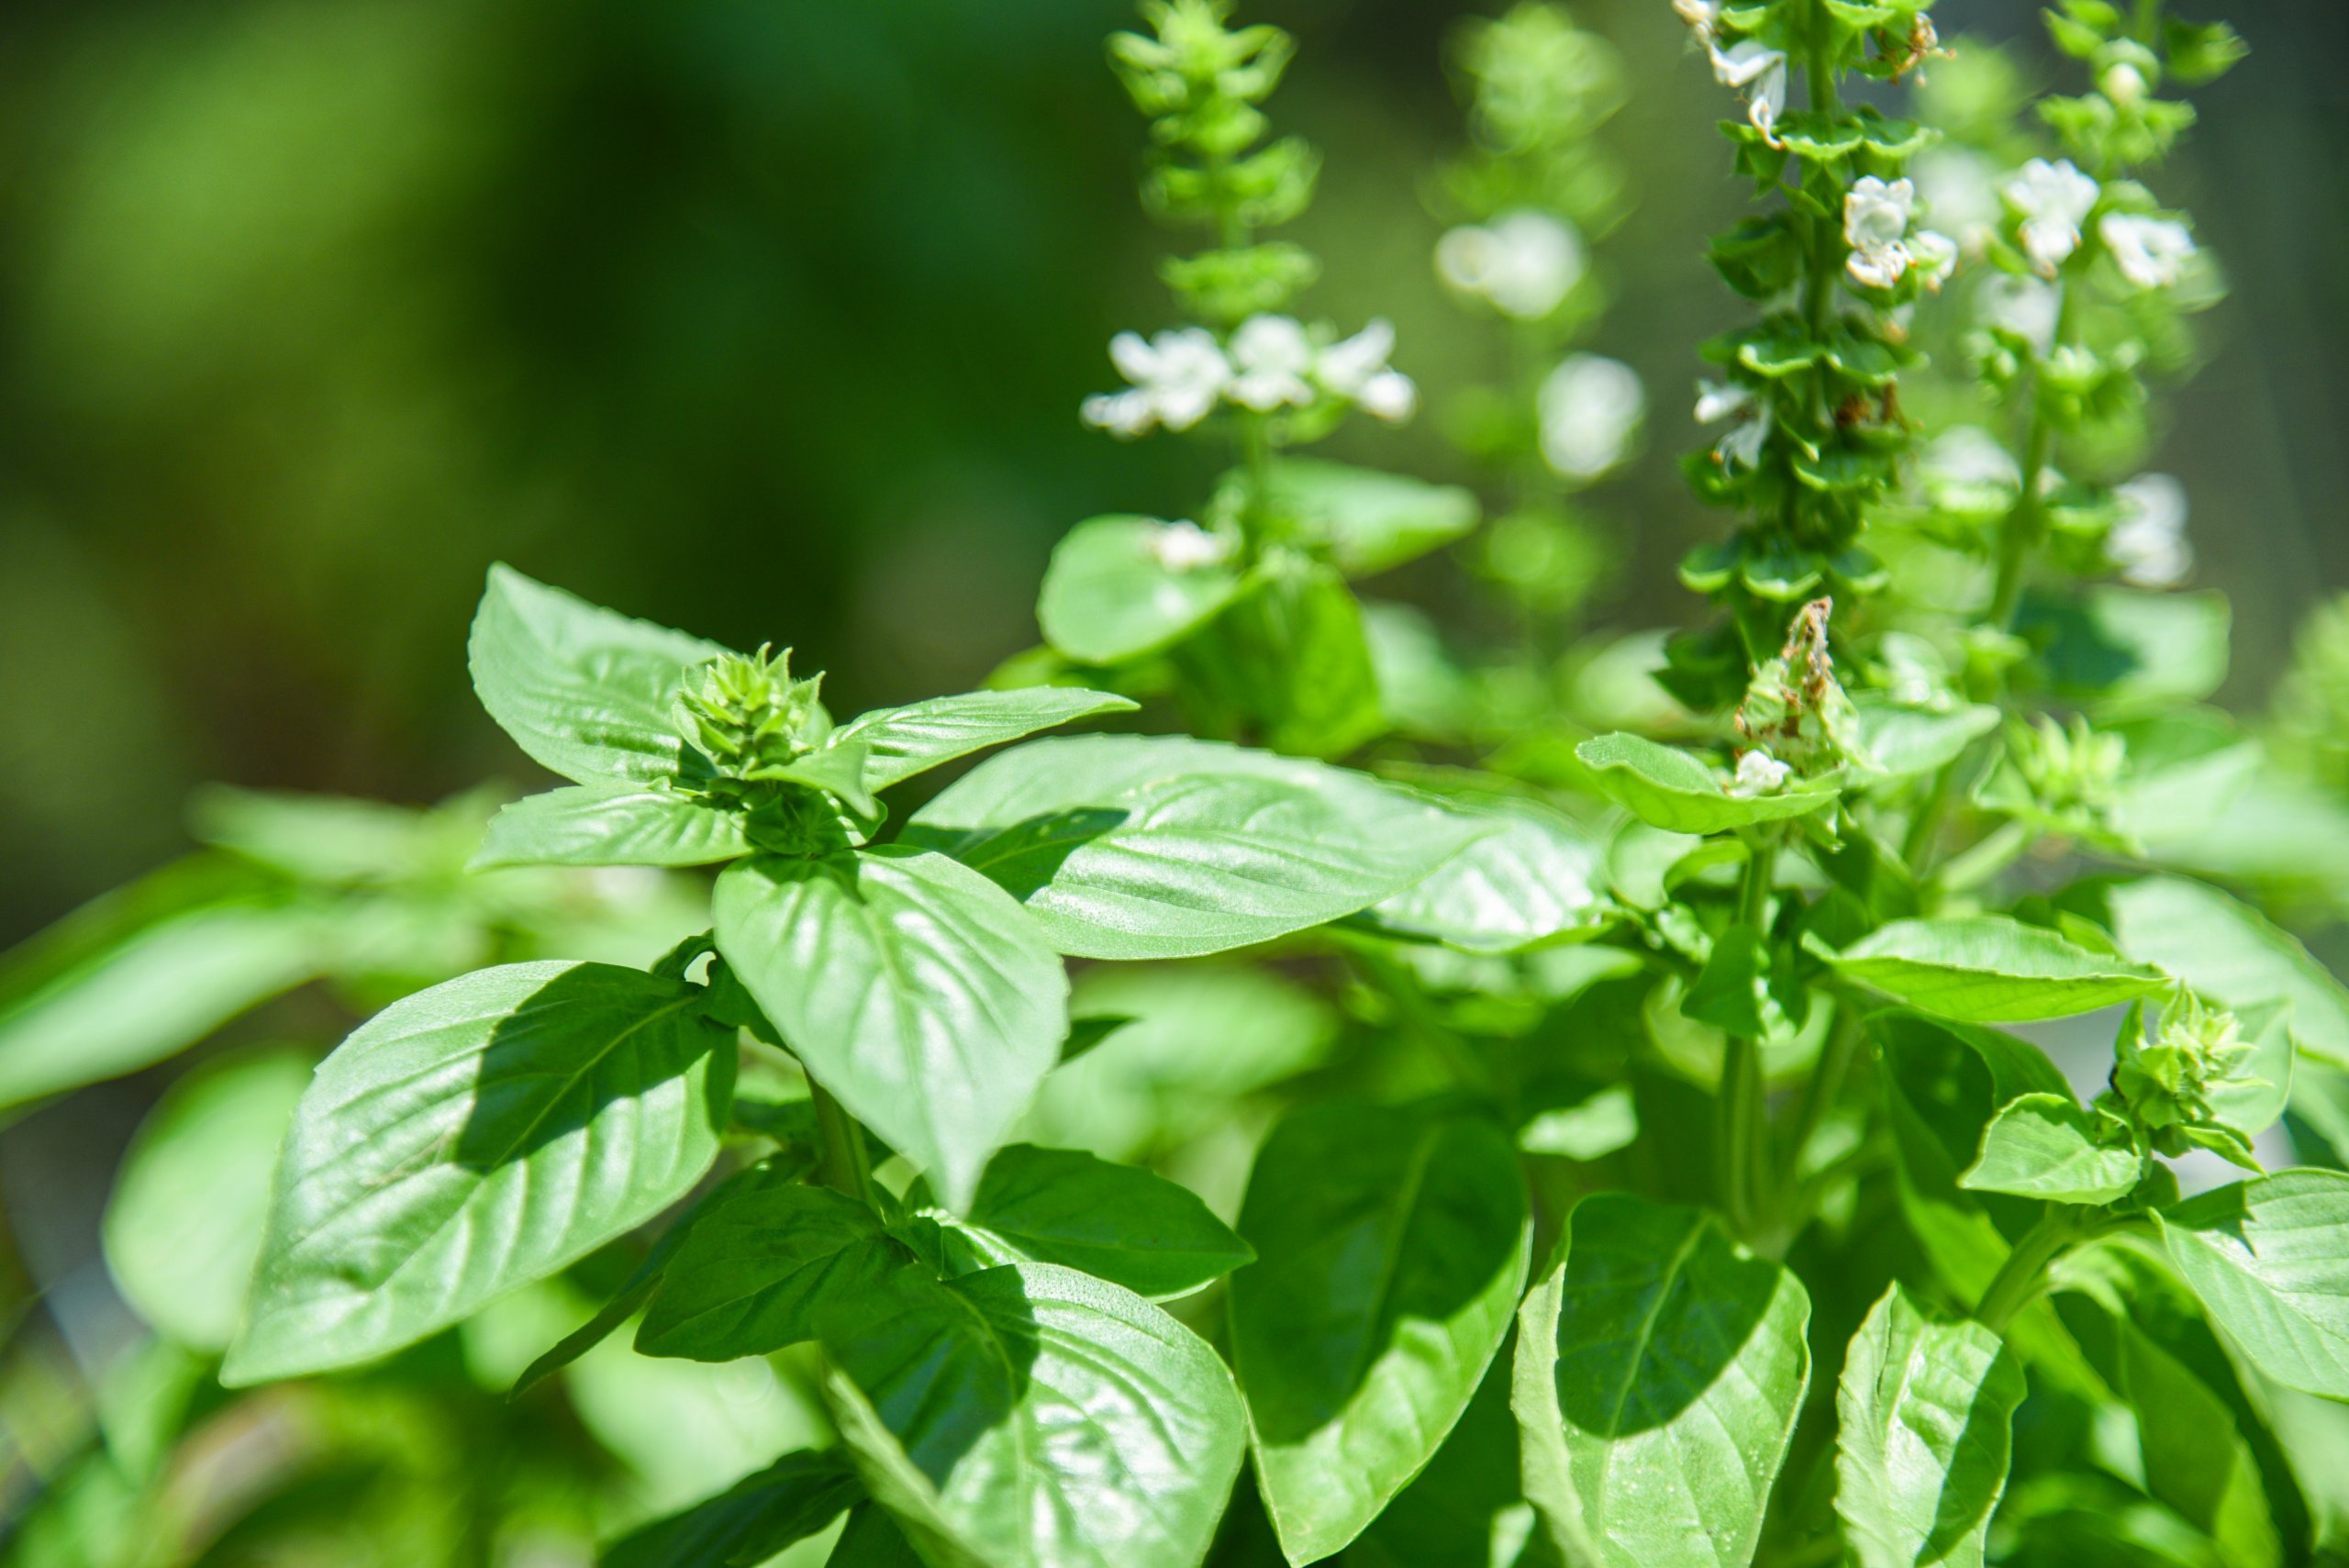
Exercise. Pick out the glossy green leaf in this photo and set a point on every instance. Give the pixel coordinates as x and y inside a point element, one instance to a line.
<point>1108,597</point>
<point>758,1270</point>
<point>2233,955</point>
<point>1673,790</point>
<point>144,973</point>
<point>1032,1415</point>
<point>1535,879</point>
<point>185,1224</point>
<point>1371,522</point>
<point>911,987</point>
<point>749,1522</point>
<point>585,692</point>
<point>1924,1431</point>
<point>607,825</point>
<point>903,741</point>
<point>1147,847</point>
<point>1391,1246</point>
<point>2045,1146</point>
<point>2270,1260</point>
<point>1115,1222</point>
<point>1989,969</point>
<point>1660,1368</point>
<point>471,1139</point>
<point>1465,1506</point>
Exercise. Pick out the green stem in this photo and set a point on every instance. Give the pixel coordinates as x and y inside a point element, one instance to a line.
<point>1744,1136</point>
<point>1984,859</point>
<point>2025,1272</point>
<point>2026,521</point>
<point>840,1162</point>
<point>1819,1097</point>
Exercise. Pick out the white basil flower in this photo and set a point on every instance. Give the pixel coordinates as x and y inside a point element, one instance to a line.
<point>1702,16</point>
<point>1758,71</point>
<point>2025,306</point>
<point>1590,408</point>
<point>1741,448</point>
<point>1758,772</point>
<point>1969,454</point>
<point>2055,200</point>
<point>1934,256</point>
<point>1271,357</point>
<point>1186,547</point>
<point>2148,543</point>
<point>1876,212</point>
<point>1177,376</point>
<point>1522,263</point>
<point>2151,251</point>
<point>1356,370</point>
<point>1717,400</point>
<point>1958,189</point>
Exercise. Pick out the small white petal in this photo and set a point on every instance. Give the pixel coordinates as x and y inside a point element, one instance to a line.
<point>2150,253</point>
<point>1186,547</point>
<point>1758,772</point>
<point>2054,199</point>
<point>1590,408</point>
<point>2148,543</point>
<point>1346,367</point>
<point>1719,400</point>
<point>1390,395</point>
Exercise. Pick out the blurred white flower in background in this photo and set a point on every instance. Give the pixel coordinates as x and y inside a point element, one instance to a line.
<point>1958,189</point>
<point>2024,306</point>
<point>1969,454</point>
<point>1590,408</point>
<point>2150,251</point>
<point>2055,200</point>
<point>1522,263</point>
<point>1355,369</point>
<point>2148,543</point>
<point>1177,376</point>
<point>1271,357</point>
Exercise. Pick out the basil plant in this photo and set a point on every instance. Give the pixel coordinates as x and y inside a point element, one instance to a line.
<point>1832,1085</point>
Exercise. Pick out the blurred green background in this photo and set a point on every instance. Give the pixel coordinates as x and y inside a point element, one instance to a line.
<point>770,319</point>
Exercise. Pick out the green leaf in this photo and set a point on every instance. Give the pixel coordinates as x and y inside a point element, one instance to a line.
<point>1992,969</point>
<point>1391,1246</point>
<point>2270,1260</point>
<point>2142,1331</point>
<point>1371,522</point>
<point>1115,1222</point>
<point>611,825</point>
<point>1032,1415</point>
<point>1136,846</point>
<point>1290,661</point>
<point>912,988</point>
<point>1673,790</point>
<point>758,1271</point>
<point>749,1522</point>
<point>1533,880</point>
<point>837,767</point>
<point>1107,598</point>
<point>1905,741</point>
<point>185,1224</point>
<point>1924,1430</point>
<point>903,741</point>
<point>471,1139</point>
<point>2128,647</point>
<point>583,690</point>
<point>147,970</point>
<point>2234,955</point>
<point>1742,991</point>
<point>339,841</point>
<point>872,1539</point>
<point>1465,1507</point>
<point>2045,1146</point>
<point>1660,1368</point>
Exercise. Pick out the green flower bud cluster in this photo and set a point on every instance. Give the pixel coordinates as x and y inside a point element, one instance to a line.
<point>1808,392</point>
<point>2167,1082</point>
<point>1199,82</point>
<point>2070,772</point>
<point>748,716</point>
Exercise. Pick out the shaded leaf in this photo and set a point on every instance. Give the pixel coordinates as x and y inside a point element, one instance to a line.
<point>471,1139</point>
<point>1391,1248</point>
<point>1924,1415</point>
<point>749,1522</point>
<point>1660,1368</point>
